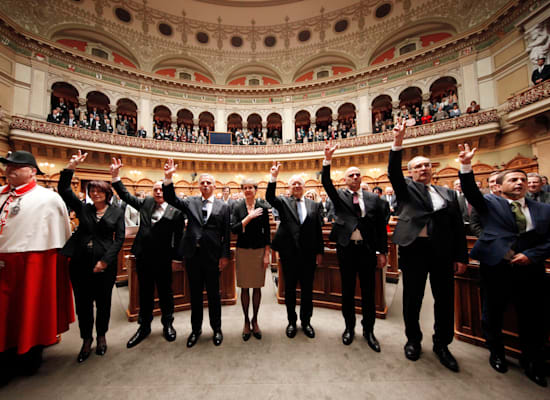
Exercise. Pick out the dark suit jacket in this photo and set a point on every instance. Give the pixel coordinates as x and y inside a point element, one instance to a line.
<point>328,210</point>
<point>542,196</point>
<point>161,238</point>
<point>544,75</point>
<point>393,203</point>
<point>373,226</point>
<point>415,211</point>
<point>214,235</point>
<point>463,207</point>
<point>290,237</point>
<point>105,245</point>
<point>500,232</point>
<point>257,233</point>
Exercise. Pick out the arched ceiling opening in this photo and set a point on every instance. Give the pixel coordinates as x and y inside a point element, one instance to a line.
<point>258,69</point>
<point>324,59</point>
<point>186,63</point>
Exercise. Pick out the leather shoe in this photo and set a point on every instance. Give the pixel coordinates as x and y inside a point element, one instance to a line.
<point>246,336</point>
<point>257,334</point>
<point>372,341</point>
<point>308,330</point>
<point>498,363</point>
<point>412,351</point>
<point>446,358</point>
<point>83,355</point>
<point>218,338</point>
<point>140,334</point>
<point>347,336</point>
<point>169,332</point>
<point>101,347</point>
<point>193,338</point>
<point>291,330</point>
<point>535,372</point>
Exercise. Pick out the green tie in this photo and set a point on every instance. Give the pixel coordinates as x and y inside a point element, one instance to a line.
<point>521,221</point>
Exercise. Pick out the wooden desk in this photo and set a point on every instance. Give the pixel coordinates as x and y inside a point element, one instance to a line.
<point>124,254</point>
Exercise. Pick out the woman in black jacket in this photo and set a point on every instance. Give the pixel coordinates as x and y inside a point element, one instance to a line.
<point>250,221</point>
<point>93,249</point>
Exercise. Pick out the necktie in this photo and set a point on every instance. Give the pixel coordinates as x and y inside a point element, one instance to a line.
<point>204,211</point>
<point>299,210</point>
<point>156,214</point>
<point>356,205</point>
<point>521,221</point>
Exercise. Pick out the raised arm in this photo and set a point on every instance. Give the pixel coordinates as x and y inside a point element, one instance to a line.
<point>168,187</point>
<point>395,173</point>
<point>272,185</point>
<point>64,184</point>
<point>467,179</point>
<point>325,176</point>
<point>120,188</point>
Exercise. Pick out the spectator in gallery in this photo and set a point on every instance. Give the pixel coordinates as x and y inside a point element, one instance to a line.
<point>55,116</point>
<point>455,112</point>
<point>542,72</point>
<point>107,127</point>
<point>441,114</point>
<point>63,108</point>
<point>474,107</point>
<point>426,118</point>
<point>142,133</point>
<point>71,119</point>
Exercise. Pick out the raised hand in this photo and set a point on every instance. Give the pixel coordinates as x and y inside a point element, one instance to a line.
<point>275,169</point>
<point>76,159</point>
<point>330,149</point>
<point>115,167</point>
<point>465,155</point>
<point>399,132</point>
<point>170,168</point>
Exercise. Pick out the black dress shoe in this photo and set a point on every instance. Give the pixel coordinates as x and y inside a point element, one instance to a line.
<point>412,351</point>
<point>101,347</point>
<point>193,338</point>
<point>347,336</point>
<point>291,330</point>
<point>308,330</point>
<point>535,372</point>
<point>372,341</point>
<point>257,335</point>
<point>169,332</point>
<point>85,351</point>
<point>140,334</point>
<point>498,363</point>
<point>218,338</point>
<point>246,336</point>
<point>446,358</point>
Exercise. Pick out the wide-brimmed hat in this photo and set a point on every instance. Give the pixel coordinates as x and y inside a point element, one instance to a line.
<point>21,157</point>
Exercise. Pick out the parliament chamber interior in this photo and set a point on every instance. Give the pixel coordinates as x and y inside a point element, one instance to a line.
<point>232,88</point>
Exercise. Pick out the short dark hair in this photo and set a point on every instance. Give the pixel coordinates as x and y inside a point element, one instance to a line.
<point>502,175</point>
<point>102,186</point>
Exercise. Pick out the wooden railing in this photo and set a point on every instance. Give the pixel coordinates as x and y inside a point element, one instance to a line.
<point>432,129</point>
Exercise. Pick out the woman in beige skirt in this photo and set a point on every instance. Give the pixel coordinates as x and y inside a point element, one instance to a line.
<point>250,221</point>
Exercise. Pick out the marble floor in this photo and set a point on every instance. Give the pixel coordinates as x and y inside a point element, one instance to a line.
<point>272,368</point>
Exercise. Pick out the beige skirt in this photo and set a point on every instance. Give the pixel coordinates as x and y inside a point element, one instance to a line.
<point>250,268</point>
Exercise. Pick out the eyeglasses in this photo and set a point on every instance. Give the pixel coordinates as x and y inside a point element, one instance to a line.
<point>422,165</point>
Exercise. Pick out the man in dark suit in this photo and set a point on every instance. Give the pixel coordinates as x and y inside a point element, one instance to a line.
<point>359,231</point>
<point>534,188</point>
<point>391,198</point>
<point>431,240</point>
<point>226,196</point>
<point>299,241</point>
<point>55,116</point>
<point>327,208</point>
<point>160,230</point>
<point>205,246</point>
<point>512,249</point>
<point>541,73</point>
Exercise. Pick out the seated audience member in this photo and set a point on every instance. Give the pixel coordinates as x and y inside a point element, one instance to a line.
<point>96,124</point>
<point>83,122</point>
<point>107,126</point>
<point>55,116</point>
<point>455,112</point>
<point>142,133</point>
<point>542,72</point>
<point>474,107</point>
<point>426,118</point>
<point>534,188</point>
<point>441,114</point>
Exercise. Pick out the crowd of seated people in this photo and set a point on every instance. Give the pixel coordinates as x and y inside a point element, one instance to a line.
<point>343,130</point>
<point>439,109</point>
<point>253,137</point>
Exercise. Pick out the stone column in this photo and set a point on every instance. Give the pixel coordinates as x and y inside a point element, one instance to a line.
<point>395,109</point>
<point>313,123</point>
<point>288,125</point>
<point>145,115</point>
<point>220,123</point>
<point>335,121</point>
<point>363,116</point>
<point>174,123</point>
<point>112,115</point>
<point>196,125</point>
<point>264,130</point>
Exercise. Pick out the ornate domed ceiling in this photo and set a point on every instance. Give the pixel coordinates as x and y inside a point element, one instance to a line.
<point>248,42</point>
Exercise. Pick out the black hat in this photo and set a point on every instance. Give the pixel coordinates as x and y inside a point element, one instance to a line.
<point>21,157</point>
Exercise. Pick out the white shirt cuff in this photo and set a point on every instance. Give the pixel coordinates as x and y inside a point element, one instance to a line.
<point>326,162</point>
<point>396,148</point>
<point>117,179</point>
<point>272,179</point>
<point>465,168</point>
<point>167,181</point>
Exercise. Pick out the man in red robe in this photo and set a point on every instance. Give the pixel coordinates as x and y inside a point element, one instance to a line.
<point>35,292</point>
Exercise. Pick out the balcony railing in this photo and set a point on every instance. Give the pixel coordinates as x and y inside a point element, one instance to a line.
<point>529,96</point>
<point>432,129</point>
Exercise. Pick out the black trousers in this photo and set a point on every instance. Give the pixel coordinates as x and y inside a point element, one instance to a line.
<point>416,261</point>
<point>204,272</point>
<point>525,287</point>
<point>357,260</point>
<point>89,288</point>
<point>298,268</point>
<point>154,270</point>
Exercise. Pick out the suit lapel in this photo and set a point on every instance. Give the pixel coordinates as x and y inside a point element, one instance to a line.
<point>506,213</point>
<point>292,206</point>
<point>196,208</point>
<point>216,206</point>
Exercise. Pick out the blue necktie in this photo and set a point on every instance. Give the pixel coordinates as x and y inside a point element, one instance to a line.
<point>204,211</point>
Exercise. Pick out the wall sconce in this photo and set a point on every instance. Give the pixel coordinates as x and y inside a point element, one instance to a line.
<point>135,174</point>
<point>46,167</point>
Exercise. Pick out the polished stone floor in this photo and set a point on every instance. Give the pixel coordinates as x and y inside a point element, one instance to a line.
<point>272,368</point>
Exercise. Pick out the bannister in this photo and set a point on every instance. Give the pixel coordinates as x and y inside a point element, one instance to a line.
<point>529,96</point>
<point>432,129</point>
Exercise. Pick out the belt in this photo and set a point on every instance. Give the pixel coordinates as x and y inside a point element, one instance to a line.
<point>357,242</point>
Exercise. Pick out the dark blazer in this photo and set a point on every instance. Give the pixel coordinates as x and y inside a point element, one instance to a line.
<point>105,245</point>
<point>372,226</point>
<point>215,234</point>
<point>163,237</point>
<point>544,75</point>
<point>291,236</point>
<point>463,207</point>
<point>393,203</point>
<point>414,210</point>
<point>500,231</point>
<point>258,232</point>
<point>542,196</point>
<point>328,210</point>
